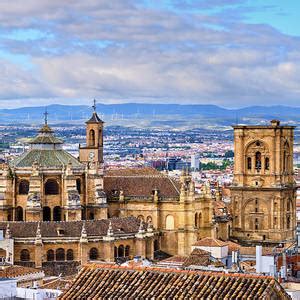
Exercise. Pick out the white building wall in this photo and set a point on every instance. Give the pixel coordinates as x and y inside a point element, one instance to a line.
<point>8,288</point>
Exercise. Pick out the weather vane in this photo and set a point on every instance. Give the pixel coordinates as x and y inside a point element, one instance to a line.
<point>94,106</point>
<point>46,116</point>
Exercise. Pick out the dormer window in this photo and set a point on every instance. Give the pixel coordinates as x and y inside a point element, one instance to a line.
<point>60,232</point>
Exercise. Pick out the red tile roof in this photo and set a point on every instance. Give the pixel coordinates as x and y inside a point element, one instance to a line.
<point>73,228</point>
<point>17,271</point>
<point>210,242</point>
<point>112,282</point>
<point>140,182</point>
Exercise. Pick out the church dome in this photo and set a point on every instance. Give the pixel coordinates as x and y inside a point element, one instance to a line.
<point>45,151</point>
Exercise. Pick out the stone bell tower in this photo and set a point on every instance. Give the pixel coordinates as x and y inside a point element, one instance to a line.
<point>93,150</point>
<point>263,193</point>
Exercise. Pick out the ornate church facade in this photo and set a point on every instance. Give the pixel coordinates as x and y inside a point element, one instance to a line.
<point>47,185</point>
<point>263,193</point>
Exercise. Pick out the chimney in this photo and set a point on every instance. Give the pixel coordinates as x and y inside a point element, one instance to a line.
<point>258,259</point>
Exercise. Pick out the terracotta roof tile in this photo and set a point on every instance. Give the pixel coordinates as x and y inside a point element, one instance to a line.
<point>73,228</point>
<point>139,182</point>
<point>112,282</point>
<point>210,242</point>
<point>15,271</point>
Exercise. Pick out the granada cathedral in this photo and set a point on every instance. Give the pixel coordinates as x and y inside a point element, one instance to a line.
<point>58,212</point>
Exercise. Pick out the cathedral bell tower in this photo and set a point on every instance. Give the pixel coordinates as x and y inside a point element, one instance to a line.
<point>263,193</point>
<point>93,151</point>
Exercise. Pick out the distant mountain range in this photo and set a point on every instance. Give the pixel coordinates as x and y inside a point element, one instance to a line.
<point>154,114</point>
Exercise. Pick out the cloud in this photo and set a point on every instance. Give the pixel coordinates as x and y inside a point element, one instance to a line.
<point>122,51</point>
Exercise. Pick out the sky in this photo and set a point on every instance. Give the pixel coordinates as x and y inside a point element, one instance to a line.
<point>232,53</point>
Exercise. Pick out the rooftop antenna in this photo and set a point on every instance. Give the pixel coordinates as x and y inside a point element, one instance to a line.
<point>46,116</point>
<point>94,106</point>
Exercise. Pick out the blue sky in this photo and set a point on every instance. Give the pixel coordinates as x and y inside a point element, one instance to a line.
<point>232,53</point>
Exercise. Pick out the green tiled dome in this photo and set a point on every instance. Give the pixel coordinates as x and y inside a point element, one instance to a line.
<point>45,150</point>
<point>45,158</point>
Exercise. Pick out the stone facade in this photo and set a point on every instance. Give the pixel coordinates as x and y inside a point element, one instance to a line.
<point>263,193</point>
<point>47,185</point>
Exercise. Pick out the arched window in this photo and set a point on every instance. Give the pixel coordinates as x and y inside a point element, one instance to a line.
<point>257,160</point>
<point>127,251</point>
<point>115,252</point>
<point>267,163</point>
<point>249,163</point>
<point>50,255</point>
<point>141,218</point>
<point>24,255</point>
<point>92,137</point>
<point>93,254</point>
<point>60,254</point>
<point>121,251</point>
<point>51,187</point>
<point>170,222</point>
<point>57,213</point>
<point>46,213</point>
<point>196,220</point>
<point>19,214</point>
<point>78,185</point>
<point>288,222</point>
<point>70,254</point>
<point>23,187</point>
<point>149,219</point>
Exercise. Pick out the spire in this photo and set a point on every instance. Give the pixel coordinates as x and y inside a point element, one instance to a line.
<point>38,231</point>
<point>110,231</point>
<point>141,228</point>
<point>83,231</point>
<point>94,106</point>
<point>95,118</point>
<point>150,227</point>
<point>38,236</point>
<point>46,116</point>
<point>8,233</point>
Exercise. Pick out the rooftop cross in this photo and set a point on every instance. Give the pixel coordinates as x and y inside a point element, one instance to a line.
<point>94,106</point>
<point>46,116</point>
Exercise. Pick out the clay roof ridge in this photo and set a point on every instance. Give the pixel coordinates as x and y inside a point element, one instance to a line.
<point>166,270</point>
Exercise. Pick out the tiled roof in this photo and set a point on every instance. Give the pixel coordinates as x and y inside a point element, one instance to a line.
<point>58,283</point>
<point>140,182</point>
<point>198,257</point>
<point>232,246</point>
<point>210,242</point>
<point>45,158</point>
<point>94,119</point>
<point>73,228</point>
<point>132,172</point>
<point>112,282</point>
<point>17,271</point>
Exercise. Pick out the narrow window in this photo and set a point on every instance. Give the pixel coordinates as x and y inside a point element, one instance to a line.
<point>78,185</point>
<point>258,160</point>
<point>249,163</point>
<point>267,163</point>
<point>70,254</point>
<point>50,255</point>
